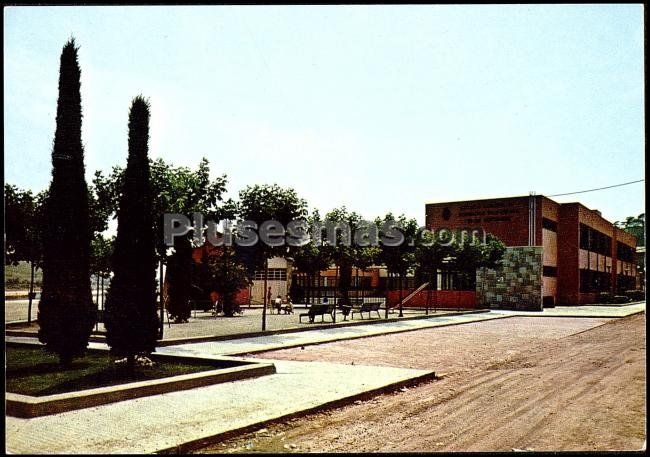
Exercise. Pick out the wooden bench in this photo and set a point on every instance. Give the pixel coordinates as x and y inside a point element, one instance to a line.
<point>318,310</point>
<point>367,308</point>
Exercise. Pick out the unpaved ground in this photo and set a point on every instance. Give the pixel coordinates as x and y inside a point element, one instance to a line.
<point>517,383</point>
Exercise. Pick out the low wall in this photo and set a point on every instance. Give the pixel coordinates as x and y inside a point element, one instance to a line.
<point>437,299</point>
<point>28,406</point>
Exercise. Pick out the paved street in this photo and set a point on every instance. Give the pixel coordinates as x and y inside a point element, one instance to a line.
<point>16,310</point>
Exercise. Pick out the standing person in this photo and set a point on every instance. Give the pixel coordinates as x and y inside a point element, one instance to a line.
<point>278,303</point>
<point>214,298</point>
<point>268,299</point>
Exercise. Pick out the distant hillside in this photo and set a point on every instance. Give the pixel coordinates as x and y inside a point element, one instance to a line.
<point>17,277</point>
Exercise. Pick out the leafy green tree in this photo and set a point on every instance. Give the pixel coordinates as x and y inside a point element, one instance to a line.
<point>24,232</point>
<point>468,256</point>
<point>344,252</point>
<point>130,319</point>
<point>66,310</point>
<point>429,255</point>
<point>19,213</point>
<point>101,251</point>
<point>261,203</point>
<point>399,258</point>
<point>226,275</point>
<point>634,226</point>
<point>312,257</point>
<point>179,190</point>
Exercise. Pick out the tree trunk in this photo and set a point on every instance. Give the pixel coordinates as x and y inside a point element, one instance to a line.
<point>31,294</point>
<point>310,288</point>
<point>266,274</point>
<point>97,304</point>
<point>388,284</point>
<point>162,308</point>
<point>130,364</point>
<point>428,298</point>
<point>401,288</point>
<point>357,285</point>
<point>102,294</point>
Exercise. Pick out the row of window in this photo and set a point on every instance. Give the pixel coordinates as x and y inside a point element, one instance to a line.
<point>362,282</point>
<point>595,241</point>
<point>275,274</point>
<point>624,252</point>
<point>447,280</point>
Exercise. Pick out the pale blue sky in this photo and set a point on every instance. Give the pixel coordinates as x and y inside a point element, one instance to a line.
<point>380,108</point>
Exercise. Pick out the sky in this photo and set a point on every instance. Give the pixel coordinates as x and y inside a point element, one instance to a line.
<point>378,108</point>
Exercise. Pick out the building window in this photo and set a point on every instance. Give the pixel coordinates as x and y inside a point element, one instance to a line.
<point>595,241</point>
<point>624,252</point>
<point>275,274</point>
<point>551,272</point>
<point>594,281</point>
<point>549,225</point>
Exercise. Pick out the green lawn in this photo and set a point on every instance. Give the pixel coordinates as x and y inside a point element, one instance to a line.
<point>33,371</point>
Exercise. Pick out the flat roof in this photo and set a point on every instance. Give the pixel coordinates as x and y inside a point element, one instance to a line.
<point>490,198</point>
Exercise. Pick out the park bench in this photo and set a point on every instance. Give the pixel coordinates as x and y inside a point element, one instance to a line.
<point>318,310</point>
<point>367,308</point>
<point>345,310</point>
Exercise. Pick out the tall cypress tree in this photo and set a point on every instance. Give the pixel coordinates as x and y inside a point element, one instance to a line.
<point>131,320</point>
<point>66,313</point>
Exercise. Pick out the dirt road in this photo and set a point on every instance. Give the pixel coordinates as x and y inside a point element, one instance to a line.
<point>518,383</point>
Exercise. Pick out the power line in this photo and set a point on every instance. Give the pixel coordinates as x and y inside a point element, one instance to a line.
<point>598,188</point>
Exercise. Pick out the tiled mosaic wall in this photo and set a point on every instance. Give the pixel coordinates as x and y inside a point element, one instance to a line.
<point>516,284</point>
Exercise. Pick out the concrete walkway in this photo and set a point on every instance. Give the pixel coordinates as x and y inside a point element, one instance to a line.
<point>269,342</point>
<point>580,311</point>
<point>240,346</point>
<point>165,422</point>
<point>170,421</point>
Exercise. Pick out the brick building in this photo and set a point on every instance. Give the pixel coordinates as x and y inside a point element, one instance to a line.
<point>557,252</point>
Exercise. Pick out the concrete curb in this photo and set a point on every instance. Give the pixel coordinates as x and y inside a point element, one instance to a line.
<point>27,406</point>
<point>207,338</point>
<point>188,446</point>
<point>94,337</point>
<point>355,337</point>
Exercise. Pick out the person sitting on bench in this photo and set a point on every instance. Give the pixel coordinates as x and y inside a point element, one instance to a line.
<point>288,307</point>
